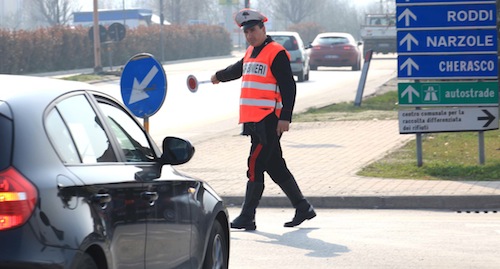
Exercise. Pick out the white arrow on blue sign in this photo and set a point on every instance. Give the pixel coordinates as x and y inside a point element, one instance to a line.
<point>473,16</point>
<point>446,41</point>
<point>473,66</point>
<point>143,85</point>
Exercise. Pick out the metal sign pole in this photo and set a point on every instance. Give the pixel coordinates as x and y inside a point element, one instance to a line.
<point>482,157</point>
<point>362,80</point>
<point>146,124</point>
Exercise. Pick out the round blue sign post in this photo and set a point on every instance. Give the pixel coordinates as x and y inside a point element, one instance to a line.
<point>143,86</point>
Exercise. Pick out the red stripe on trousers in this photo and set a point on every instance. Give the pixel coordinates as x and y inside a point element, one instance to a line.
<point>253,160</point>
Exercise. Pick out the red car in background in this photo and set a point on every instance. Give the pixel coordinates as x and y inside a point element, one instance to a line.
<point>335,50</point>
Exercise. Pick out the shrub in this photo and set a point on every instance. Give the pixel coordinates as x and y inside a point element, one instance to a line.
<point>65,48</point>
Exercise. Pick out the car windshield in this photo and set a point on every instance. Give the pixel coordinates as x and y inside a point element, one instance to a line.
<point>289,42</point>
<point>332,40</point>
<point>131,138</point>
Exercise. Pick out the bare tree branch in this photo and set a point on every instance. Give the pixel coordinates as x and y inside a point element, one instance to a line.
<point>53,12</point>
<point>295,10</point>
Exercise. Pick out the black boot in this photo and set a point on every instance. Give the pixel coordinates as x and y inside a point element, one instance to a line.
<point>246,219</point>
<point>303,210</point>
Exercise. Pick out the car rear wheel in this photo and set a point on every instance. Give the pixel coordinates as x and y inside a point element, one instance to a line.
<point>217,256</point>
<point>357,66</point>
<point>86,262</point>
<point>300,76</point>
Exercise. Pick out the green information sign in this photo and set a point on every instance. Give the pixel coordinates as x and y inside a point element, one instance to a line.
<point>456,93</point>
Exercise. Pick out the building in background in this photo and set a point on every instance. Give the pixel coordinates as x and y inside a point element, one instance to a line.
<point>131,18</point>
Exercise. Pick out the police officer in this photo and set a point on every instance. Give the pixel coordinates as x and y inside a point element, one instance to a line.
<point>266,105</point>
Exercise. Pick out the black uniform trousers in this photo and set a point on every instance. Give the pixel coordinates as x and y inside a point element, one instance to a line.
<point>265,153</point>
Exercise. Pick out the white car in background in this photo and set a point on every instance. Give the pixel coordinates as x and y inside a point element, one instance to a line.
<point>299,57</point>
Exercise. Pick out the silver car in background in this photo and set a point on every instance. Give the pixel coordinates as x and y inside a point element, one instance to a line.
<point>299,57</point>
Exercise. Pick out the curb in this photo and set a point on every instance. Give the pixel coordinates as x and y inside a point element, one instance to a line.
<point>454,203</point>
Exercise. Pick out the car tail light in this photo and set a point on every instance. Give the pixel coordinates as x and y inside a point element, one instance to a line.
<point>17,199</point>
<point>348,47</point>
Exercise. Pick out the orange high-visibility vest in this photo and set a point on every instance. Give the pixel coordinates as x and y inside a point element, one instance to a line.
<point>260,94</point>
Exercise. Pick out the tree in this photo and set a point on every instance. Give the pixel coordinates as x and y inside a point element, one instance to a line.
<point>295,11</point>
<point>52,12</point>
<point>181,12</point>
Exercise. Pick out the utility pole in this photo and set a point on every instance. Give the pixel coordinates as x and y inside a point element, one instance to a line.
<point>97,41</point>
<point>162,43</point>
<point>247,3</point>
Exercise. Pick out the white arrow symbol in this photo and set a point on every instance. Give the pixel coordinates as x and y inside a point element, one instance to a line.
<point>410,91</point>
<point>407,14</point>
<point>409,63</point>
<point>409,38</point>
<point>139,89</point>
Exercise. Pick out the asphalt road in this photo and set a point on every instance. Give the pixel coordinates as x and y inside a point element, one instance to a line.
<point>369,239</point>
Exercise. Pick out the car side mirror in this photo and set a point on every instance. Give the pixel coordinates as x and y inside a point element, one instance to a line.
<point>360,43</point>
<point>176,151</point>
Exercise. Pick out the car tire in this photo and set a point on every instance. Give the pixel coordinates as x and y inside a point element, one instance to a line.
<point>86,262</point>
<point>300,76</point>
<point>314,67</point>
<point>217,255</point>
<point>357,66</point>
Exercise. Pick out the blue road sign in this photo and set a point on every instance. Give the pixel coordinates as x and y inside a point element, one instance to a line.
<point>474,16</point>
<point>411,2</point>
<point>445,41</point>
<point>474,66</point>
<point>143,85</point>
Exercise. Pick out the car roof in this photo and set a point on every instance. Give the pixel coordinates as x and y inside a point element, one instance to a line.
<point>35,93</point>
<point>339,34</point>
<point>284,33</point>
<point>348,36</point>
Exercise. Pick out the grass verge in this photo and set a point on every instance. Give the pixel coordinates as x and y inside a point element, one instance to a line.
<point>446,156</point>
<point>93,76</point>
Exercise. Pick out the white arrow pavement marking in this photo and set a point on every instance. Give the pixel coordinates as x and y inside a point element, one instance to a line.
<point>410,91</point>
<point>409,63</point>
<point>138,89</point>
<point>409,38</point>
<point>407,14</point>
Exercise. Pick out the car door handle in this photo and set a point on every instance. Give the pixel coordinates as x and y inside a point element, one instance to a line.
<point>102,199</point>
<point>150,196</point>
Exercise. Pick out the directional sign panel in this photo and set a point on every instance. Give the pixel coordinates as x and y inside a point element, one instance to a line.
<point>446,41</point>
<point>474,66</point>
<point>474,16</point>
<point>143,85</point>
<point>411,2</point>
<point>448,93</point>
<point>448,120</point>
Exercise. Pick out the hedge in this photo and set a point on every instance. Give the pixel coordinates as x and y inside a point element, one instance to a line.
<point>66,48</point>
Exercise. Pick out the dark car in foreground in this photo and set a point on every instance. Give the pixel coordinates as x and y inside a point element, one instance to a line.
<point>83,185</point>
<point>335,50</point>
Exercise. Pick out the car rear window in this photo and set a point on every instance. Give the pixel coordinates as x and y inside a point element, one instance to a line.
<point>5,142</point>
<point>332,40</point>
<point>289,42</point>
